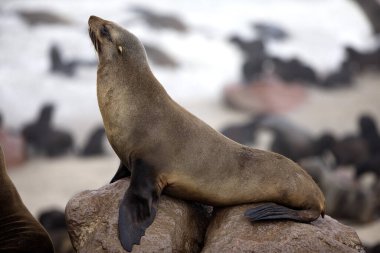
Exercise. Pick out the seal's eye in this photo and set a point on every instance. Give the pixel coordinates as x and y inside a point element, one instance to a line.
<point>105,33</point>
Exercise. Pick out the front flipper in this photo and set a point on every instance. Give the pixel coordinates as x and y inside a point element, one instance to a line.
<point>122,172</point>
<point>138,207</point>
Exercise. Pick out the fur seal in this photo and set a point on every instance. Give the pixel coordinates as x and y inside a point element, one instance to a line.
<point>43,138</point>
<point>167,149</point>
<point>19,231</point>
<point>290,140</point>
<point>94,145</point>
<point>255,55</point>
<point>66,67</point>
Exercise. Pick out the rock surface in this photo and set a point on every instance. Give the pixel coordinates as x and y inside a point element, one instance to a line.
<point>13,148</point>
<point>265,96</point>
<point>92,218</point>
<point>229,231</point>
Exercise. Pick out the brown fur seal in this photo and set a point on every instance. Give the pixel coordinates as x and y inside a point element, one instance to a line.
<point>19,231</point>
<point>168,149</point>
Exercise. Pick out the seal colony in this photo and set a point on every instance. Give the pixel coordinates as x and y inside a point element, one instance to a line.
<point>19,231</point>
<point>166,149</point>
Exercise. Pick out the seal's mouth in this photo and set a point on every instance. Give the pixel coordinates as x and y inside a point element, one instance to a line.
<point>94,24</point>
<point>94,39</point>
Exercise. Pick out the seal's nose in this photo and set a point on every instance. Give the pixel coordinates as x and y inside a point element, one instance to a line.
<point>93,19</point>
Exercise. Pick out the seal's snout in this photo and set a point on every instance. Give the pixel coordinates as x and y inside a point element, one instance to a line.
<point>94,25</point>
<point>93,20</point>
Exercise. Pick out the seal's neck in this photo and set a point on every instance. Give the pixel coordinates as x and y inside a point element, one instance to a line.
<point>132,80</point>
<point>125,92</point>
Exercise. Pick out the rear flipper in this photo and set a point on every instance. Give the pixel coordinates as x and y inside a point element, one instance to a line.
<point>272,211</point>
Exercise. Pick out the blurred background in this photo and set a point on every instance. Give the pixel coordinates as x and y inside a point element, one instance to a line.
<point>299,77</point>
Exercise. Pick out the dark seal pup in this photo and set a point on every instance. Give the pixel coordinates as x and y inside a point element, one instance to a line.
<point>19,231</point>
<point>167,149</point>
<point>94,144</point>
<point>43,138</point>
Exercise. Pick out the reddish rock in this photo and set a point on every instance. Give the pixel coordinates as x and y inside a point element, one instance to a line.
<point>265,96</point>
<point>92,218</point>
<point>229,231</point>
<point>13,147</point>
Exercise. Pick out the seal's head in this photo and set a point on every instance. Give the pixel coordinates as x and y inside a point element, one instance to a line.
<point>113,43</point>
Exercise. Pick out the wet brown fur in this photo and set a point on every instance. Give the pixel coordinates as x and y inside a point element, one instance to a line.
<point>19,231</point>
<point>192,160</point>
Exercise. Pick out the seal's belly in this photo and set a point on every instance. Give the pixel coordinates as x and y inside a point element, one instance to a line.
<point>216,191</point>
<point>256,182</point>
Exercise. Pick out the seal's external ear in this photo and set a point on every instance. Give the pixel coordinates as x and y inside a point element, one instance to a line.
<point>122,172</point>
<point>120,49</point>
<point>138,207</point>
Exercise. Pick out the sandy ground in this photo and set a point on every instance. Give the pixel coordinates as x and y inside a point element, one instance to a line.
<point>44,183</point>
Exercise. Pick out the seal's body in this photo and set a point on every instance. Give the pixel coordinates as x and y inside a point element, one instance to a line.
<point>167,149</point>
<point>19,231</point>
